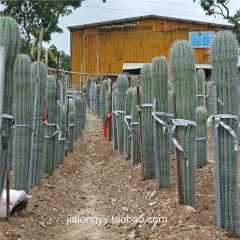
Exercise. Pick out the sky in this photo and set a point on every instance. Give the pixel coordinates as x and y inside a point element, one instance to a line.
<point>96,11</point>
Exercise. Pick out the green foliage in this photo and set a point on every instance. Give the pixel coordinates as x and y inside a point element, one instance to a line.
<point>32,16</point>
<point>221,7</point>
<point>183,70</point>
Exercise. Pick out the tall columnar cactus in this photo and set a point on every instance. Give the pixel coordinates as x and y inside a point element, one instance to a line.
<point>147,123</point>
<point>171,110</point>
<point>201,115</point>
<point>103,93</point>
<point>114,116</point>
<point>127,120</point>
<point>9,38</point>
<point>201,79</point>
<point>93,95</point>
<point>122,85</point>
<point>51,128</point>
<point>201,136</point>
<point>135,129</point>
<point>225,89</point>
<point>183,67</point>
<point>210,98</point>
<point>79,116</point>
<point>160,95</point>
<point>71,130</point>
<point>22,112</point>
<point>37,143</point>
<point>109,112</point>
<point>61,143</point>
<point>98,107</point>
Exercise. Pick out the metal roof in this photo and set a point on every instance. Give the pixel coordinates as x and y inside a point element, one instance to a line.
<point>151,16</point>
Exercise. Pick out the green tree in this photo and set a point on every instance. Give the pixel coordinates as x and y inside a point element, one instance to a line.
<point>221,7</point>
<point>35,16</point>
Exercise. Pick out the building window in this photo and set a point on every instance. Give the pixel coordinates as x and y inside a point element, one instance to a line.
<point>201,39</point>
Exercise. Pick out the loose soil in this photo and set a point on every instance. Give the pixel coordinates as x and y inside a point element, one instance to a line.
<point>95,182</point>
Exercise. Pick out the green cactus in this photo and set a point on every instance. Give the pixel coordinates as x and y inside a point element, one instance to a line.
<point>114,117</point>
<point>171,110</point>
<point>9,38</point>
<point>79,116</point>
<point>71,130</point>
<point>183,67</point>
<point>201,139</point>
<point>147,123</point>
<point>37,143</point>
<point>61,141</point>
<point>201,79</point>
<point>122,85</point>
<point>210,98</point>
<point>109,111</point>
<point>225,92</point>
<point>127,128</point>
<point>103,93</point>
<point>22,112</point>
<point>135,129</point>
<point>160,95</point>
<point>98,90</point>
<point>50,128</point>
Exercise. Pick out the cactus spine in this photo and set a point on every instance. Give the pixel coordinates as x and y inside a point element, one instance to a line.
<point>127,129</point>
<point>122,85</point>
<point>160,94</point>
<point>22,111</point>
<point>183,67</point>
<point>9,39</point>
<point>147,126</point>
<point>225,88</point>
<point>50,128</point>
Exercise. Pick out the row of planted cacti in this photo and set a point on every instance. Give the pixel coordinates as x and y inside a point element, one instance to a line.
<point>34,131</point>
<point>167,111</point>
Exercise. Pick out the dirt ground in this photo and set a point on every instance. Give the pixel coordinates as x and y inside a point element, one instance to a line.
<point>95,182</point>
